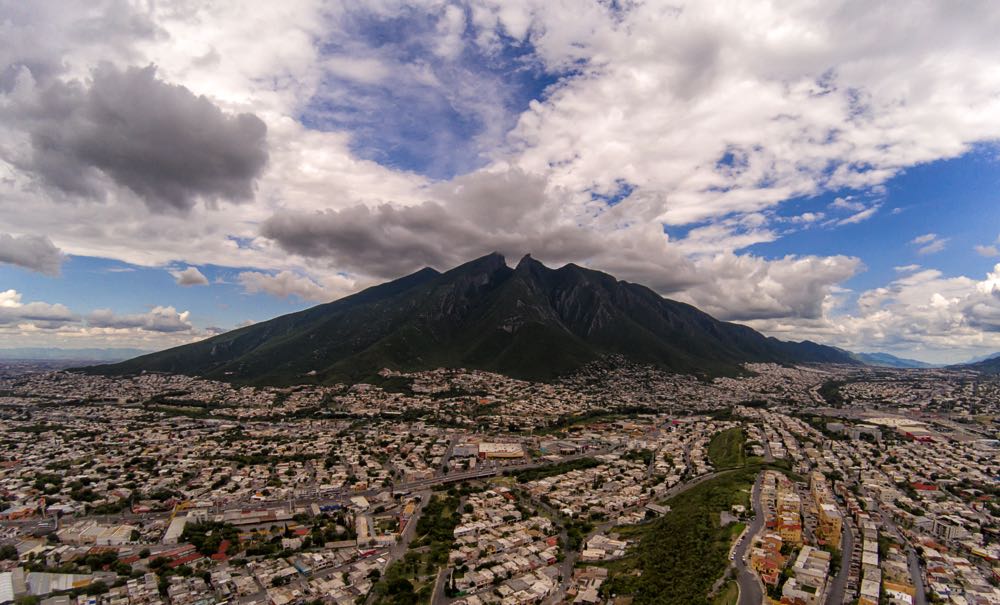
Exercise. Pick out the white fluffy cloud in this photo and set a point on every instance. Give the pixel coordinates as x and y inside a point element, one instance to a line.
<point>744,288</point>
<point>286,283</point>
<point>941,319</point>
<point>13,312</point>
<point>707,115</point>
<point>189,277</point>
<point>158,319</point>
<point>45,324</point>
<point>755,103</point>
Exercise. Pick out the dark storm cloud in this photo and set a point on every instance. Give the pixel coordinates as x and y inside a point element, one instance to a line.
<point>508,212</point>
<point>472,215</point>
<point>385,241</point>
<point>33,252</point>
<point>159,140</point>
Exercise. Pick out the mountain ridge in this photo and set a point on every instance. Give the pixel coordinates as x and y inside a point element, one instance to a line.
<point>990,365</point>
<point>529,321</point>
<point>888,360</point>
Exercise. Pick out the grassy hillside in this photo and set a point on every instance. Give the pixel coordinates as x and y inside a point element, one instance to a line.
<point>726,449</point>
<point>683,553</point>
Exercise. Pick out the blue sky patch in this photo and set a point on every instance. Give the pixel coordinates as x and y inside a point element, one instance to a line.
<point>446,115</point>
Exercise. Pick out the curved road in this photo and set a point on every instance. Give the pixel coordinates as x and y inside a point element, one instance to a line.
<point>751,590</point>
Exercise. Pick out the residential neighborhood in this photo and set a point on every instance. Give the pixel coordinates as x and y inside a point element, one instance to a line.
<point>165,489</point>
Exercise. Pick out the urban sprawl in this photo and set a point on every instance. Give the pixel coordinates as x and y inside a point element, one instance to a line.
<point>619,484</point>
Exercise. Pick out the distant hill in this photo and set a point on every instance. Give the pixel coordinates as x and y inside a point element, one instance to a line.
<point>990,365</point>
<point>51,353</point>
<point>980,358</point>
<point>529,322</point>
<point>887,360</point>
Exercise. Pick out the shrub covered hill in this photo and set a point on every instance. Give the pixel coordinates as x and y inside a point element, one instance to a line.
<point>528,322</point>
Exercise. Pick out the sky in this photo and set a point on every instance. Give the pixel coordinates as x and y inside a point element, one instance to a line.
<point>825,170</point>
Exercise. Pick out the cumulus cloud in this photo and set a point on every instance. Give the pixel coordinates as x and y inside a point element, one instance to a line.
<point>512,212</point>
<point>742,288</point>
<point>38,323</point>
<point>756,110</point>
<point>34,252</point>
<point>189,277</point>
<point>158,319</point>
<point>939,318</point>
<point>160,141</point>
<point>287,283</point>
<point>39,315</point>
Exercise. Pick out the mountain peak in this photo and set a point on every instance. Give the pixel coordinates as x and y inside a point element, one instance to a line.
<point>530,322</point>
<point>488,264</point>
<point>527,262</point>
<point>493,260</point>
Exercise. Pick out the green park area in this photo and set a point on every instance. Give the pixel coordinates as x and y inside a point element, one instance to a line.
<point>729,595</point>
<point>726,449</point>
<point>680,556</point>
<point>410,580</point>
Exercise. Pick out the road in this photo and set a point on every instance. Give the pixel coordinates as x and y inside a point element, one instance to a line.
<point>768,456</point>
<point>397,550</point>
<point>836,594</point>
<point>323,498</point>
<point>438,597</point>
<point>400,547</point>
<point>751,589</point>
<point>920,596</point>
<point>652,463</point>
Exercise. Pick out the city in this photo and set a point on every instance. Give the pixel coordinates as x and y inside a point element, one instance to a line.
<point>499,302</point>
<point>465,487</point>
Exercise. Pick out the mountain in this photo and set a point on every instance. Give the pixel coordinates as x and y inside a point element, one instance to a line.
<point>990,365</point>
<point>980,358</point>
<point>887,360</point>
<point>50,353</point>
<point>529,322</point>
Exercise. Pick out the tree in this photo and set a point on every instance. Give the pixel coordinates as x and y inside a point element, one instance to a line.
<point>96,588</point>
